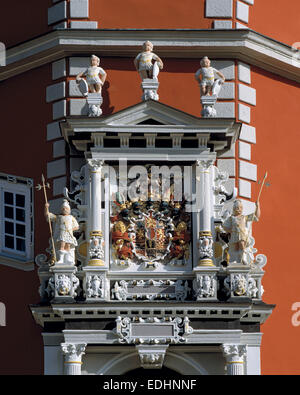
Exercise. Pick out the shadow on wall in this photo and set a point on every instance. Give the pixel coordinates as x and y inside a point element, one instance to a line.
<point>106,108</point>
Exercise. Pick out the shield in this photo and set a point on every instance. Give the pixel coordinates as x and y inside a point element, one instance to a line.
<point>83,87</point>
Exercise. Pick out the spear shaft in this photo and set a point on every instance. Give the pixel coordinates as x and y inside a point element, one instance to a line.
<point>48,215</point>
<point>262,184</point>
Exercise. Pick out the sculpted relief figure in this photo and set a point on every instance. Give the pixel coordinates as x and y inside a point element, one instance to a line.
<point>207,82</point>
<point>65,225</point>
<point>239,228</point>
<point>121,241</point>
<point>147,63</point>
<point>95,77</point>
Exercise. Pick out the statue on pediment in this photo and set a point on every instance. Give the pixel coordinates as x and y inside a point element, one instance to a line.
<point>147,63</point>
<point>91,87</point>
<point>210,87</point>
<point>208,84</point>
<point>95,77</point>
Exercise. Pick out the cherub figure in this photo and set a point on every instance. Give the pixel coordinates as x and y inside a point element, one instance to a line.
<point>65,225</point>
<point>208,76</point>
<point>95,75</point>
<point>239,227</point>
<point>147,63</point>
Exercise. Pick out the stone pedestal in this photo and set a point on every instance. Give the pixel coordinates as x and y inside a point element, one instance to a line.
<point>63,284</point>
<point>150,87</point>
<point>208,106</point>
<point>205,284</point>
<point>73,355</point>
<point>94,101</point>
<point>255,288</point>
<point>237,282</point>
<point>95,284</point>
<point>234,356</point>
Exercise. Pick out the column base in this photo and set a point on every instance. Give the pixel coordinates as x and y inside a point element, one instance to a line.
<point>96,262</point>
<point>205,262</point>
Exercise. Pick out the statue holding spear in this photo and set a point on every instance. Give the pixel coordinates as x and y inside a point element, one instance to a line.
<point>239,227</point>
<point>62,239</point>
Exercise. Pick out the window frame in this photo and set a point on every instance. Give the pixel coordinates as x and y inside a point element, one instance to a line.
<point>23,186</point>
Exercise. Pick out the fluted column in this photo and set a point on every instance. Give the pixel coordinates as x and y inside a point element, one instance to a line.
<point>73,354</point>
<point>96,249</point>
<point>205,246</point>
<point>234,355</point>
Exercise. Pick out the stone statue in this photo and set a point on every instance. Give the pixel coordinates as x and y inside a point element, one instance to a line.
<point>95,76</point>
<point>208,84</point>
<point>148,63</point>
<point>65,225</point>
<point>180,242</point>
<point>239,228</point>
<point>121,241</point>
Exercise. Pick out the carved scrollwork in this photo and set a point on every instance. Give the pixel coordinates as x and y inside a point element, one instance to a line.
<point>152,330</point>
<point>150,290</point>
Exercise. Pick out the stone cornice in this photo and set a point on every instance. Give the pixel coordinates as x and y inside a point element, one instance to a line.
<point>127,121</point>
<point>243,44</point>
<point>246,312</point>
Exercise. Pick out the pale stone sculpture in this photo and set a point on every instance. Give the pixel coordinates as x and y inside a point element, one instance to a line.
<point>207,82</point>
<point>239,227</point>
<point>209,86</point>
<point>65,225</point>
<point>95,78</point>
<point>148,64</point>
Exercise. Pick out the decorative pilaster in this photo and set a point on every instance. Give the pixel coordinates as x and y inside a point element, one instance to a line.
<point>234,355</point>
<point>73,355</point>
<point>237,282</point>
<point>96,247</point>
<point>95,284</point>
<point>205,243</point>
<point>62,286</point>
<point>205,285</point>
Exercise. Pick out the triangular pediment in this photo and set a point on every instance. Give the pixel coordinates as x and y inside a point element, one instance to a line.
<point>148,118</point>
<point>156,113</point>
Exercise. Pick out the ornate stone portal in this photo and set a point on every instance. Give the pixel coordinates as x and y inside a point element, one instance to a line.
<point>152,268</point>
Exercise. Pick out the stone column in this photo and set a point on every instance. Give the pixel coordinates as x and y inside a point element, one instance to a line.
<point>73,353</point>
<point>96,248</point>
<point>234,355</point>
<point>205,246</point>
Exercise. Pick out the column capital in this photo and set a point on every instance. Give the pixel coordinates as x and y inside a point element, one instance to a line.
<point>234,352</point>
<point>205,163</point>
<point>234,355</point>
<point>95,164</point>
<point>73,351</point>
